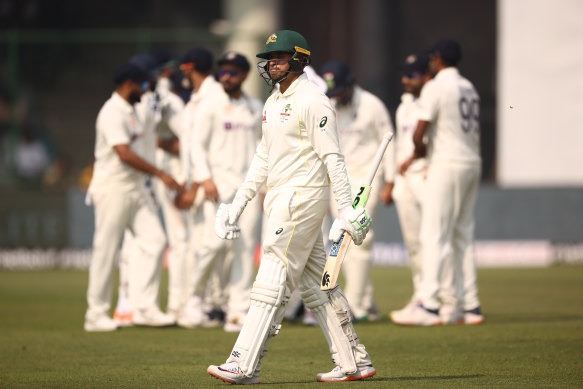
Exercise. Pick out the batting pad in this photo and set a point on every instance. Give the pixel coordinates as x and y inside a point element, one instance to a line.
<point>336,325</point>
<point>261,322</point>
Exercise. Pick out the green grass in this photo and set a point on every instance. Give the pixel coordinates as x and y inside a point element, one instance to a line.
<point>532,337</point>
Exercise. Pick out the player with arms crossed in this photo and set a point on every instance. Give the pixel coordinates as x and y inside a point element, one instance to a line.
<point>298,151</point>
<point>449,116</point>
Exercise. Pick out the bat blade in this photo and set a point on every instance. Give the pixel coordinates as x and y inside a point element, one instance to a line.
<point>334,262</point>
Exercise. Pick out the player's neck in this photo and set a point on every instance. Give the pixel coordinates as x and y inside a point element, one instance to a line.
<point>288,81</point>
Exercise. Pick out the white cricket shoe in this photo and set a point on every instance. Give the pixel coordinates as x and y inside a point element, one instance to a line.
<point>152,317</point>
<point>192,315</point>
<point>101,323</point>
<point>398,314</point>
<point>234,323</point>
<point>473,317</point>
<point>309,318</point>
<point>123,318</point>
<point>418,316</point>
<point>449,314</point>
<point>231,373</point>
<point>337,375</point>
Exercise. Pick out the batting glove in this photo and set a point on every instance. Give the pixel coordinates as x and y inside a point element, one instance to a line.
<point>355,221</point>
<point>223,228</point>
<point>236,209</point>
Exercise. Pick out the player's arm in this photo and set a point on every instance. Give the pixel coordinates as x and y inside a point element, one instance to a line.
<point>203,123</point>
<point>127,156</point>
<point>382,125</point>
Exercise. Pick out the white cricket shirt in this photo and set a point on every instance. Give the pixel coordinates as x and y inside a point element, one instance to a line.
<point>299,132</point>
<point>451,103</point>
<point>208,87</point>
<point>227,133</point>
<point>407,117</point>
<point>117,124</point>
<point>361,126</point>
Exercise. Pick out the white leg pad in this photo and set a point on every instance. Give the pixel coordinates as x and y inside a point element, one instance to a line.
<point>333,315</point>
<point>264,317</point>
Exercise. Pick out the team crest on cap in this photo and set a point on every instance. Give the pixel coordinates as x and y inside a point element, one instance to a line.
<point>272,38</point>
<point>411,59</point>
<point>329,78</point>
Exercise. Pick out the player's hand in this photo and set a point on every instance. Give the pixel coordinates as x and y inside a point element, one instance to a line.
<point>210,190</point>
<point>223,228</point>
<point>169,181</point>
<point>405,165</point>
<point>236,208</point>
<point>355,221</point>
<point>387,193</point>
<point>185,199</point>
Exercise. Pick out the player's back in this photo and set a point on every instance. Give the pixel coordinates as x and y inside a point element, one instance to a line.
<point>455,135</point>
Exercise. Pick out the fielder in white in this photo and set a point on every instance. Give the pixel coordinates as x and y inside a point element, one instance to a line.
<point>159,110</point>
<point>407,189</point>
<point>298,151</point>
<point>228,129</point>
<point>362,120</point>
<point>196,66</point>
<point>449,117</point>
<point>116,191</point>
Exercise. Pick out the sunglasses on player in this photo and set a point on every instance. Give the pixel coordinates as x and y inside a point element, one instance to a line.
<point>413,75</point>
<point>230,72</point>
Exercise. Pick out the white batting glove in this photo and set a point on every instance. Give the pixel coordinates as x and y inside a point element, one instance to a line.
<point>236,209</point>
<point>354,221</point>
<point>223,228</point>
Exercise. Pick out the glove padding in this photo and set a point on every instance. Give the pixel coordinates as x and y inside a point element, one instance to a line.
<point>223,228</point>
<point>355,221</point>
<point>236,209</point>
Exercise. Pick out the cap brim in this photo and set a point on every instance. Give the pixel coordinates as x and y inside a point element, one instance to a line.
<point>336,91</point>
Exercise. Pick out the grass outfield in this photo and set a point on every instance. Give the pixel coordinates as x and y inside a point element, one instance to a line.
<point>532,337</point>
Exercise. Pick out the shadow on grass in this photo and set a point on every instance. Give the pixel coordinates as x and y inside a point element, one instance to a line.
<point>388,379</point>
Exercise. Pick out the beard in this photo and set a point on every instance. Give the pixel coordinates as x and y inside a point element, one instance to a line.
<point>134,97</point>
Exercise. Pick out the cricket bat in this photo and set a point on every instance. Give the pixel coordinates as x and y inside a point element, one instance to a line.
<point>339,249</point>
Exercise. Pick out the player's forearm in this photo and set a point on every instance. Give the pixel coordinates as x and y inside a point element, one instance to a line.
<point>170,145</point>
<point>130,158</point>
<point>419,139</point>
<point>339,179</point>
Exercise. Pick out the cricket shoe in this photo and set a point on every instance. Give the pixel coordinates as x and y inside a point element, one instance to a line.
<point>309,319</point>
<point>418,316</point>
<point>449,314</point>
<point>152,317</point>
<point>213,318</point>
<point>191,315</point>
<point>231,373</point>
<point>473,317</point>
<point>234,323</point>
<point>398,314</point>
<point>337,375</point>
<point>123,319</point>
<point>101,323</point>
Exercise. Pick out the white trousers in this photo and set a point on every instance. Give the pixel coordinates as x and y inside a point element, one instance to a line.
<point>447,230</point>
<point>233,260</point>
<point>292,237</point>
<point>408,194</point>
<point>115,211</point>
<point>357,264</point>
<point>175,224</point>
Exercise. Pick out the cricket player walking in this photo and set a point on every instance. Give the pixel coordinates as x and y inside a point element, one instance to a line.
<point>298,151</point>
<point>449,117</point>
<point>362,121</point>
